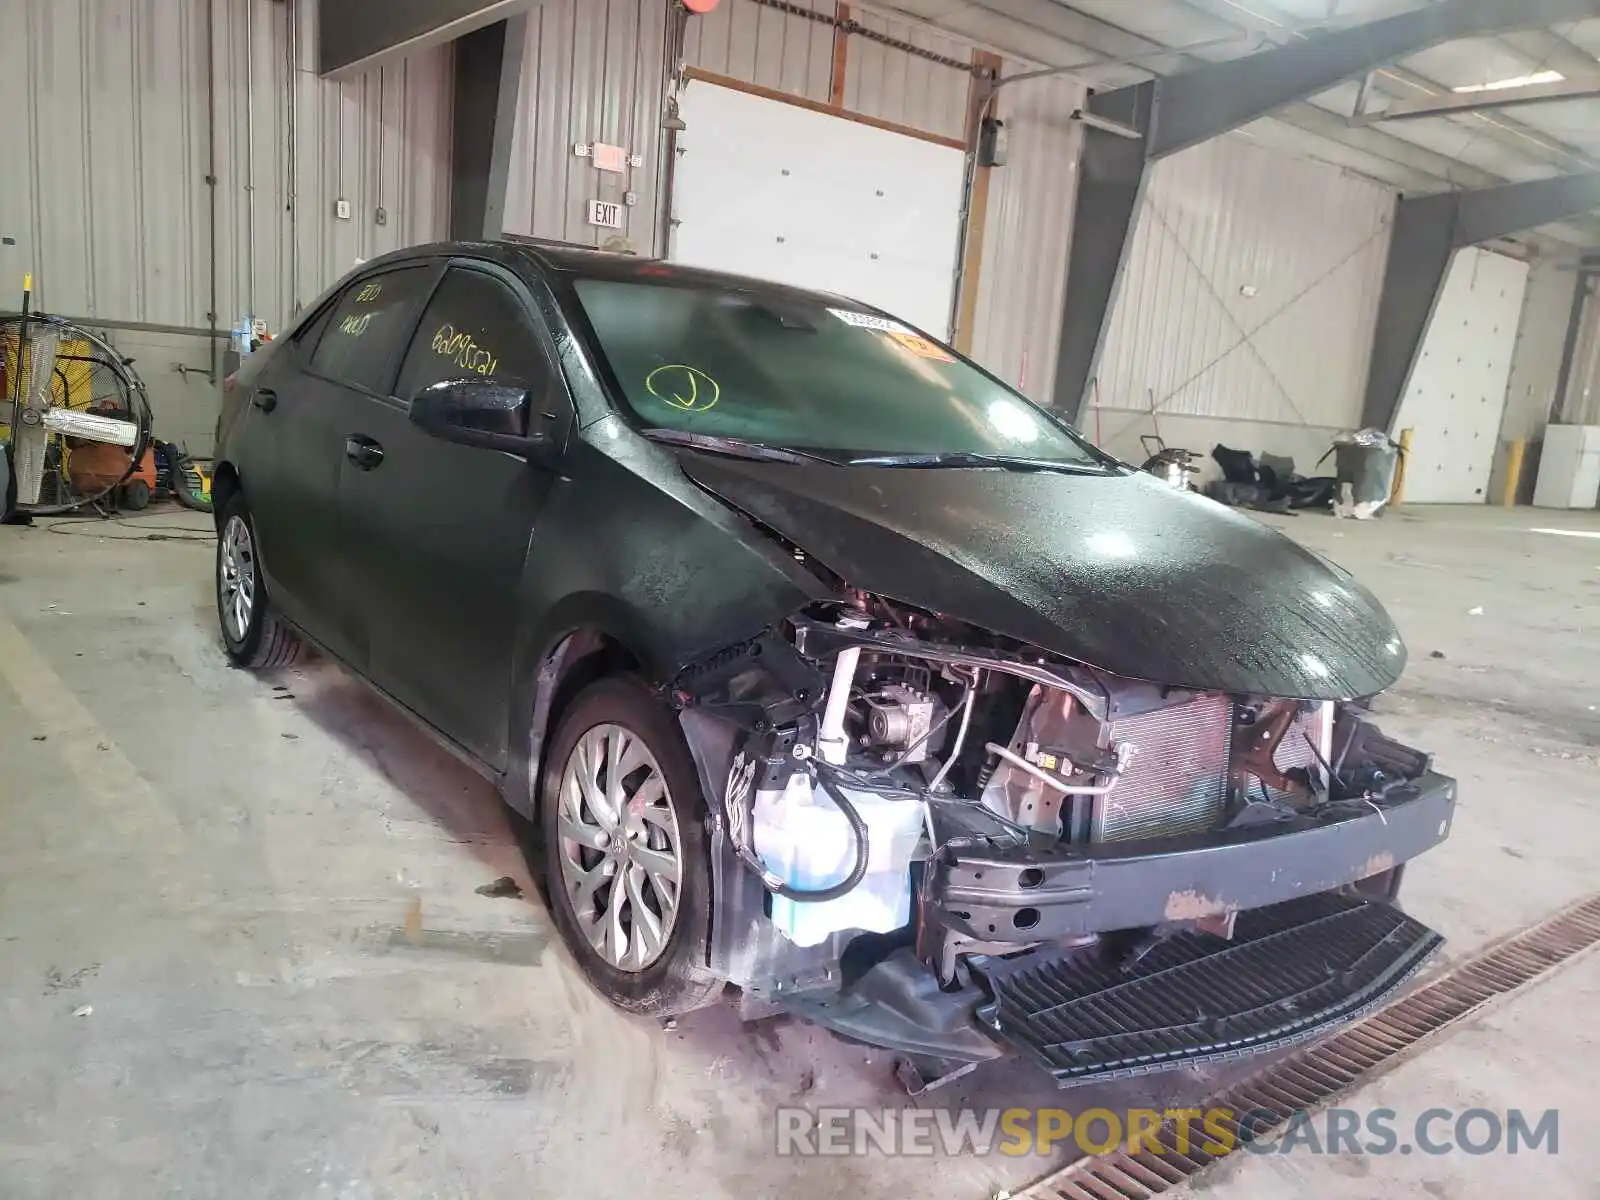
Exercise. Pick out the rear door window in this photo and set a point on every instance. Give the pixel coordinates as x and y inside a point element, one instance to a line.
<point>475,325</point>
<point>367,330</point>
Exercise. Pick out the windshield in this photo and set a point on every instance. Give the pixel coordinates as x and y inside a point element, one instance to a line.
<point>786,369</point>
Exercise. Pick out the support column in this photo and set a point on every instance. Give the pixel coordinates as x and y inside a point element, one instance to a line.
<point>487,79</point>
<point>1194,106</point>
<point>1111,177</point>
<point>1421,244</point>
<point>1428,230</point>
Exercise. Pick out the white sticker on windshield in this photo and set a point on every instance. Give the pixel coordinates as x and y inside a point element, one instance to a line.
<point>863,320</point>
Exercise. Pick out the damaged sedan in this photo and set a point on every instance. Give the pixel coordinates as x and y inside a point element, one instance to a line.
<point>824,664</point>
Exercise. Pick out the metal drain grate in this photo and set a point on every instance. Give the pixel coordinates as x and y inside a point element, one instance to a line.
<point>1313,1076</point>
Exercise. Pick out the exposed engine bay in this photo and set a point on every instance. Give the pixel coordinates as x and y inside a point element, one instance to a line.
<point>917,814</point>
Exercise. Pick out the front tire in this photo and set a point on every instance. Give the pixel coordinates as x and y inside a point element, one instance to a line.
<point>252,633</point>
<point>626,861</point>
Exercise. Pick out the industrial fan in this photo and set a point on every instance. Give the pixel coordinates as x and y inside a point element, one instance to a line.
<point>76,415</point>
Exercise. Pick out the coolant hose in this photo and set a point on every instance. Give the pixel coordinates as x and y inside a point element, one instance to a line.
<point>846,885</point>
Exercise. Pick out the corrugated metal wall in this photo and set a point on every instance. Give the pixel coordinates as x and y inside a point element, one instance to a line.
<point>102,185</point>
<point>593,71</point>
<point>1027,232</point>
<point>892,85</point>
<point>380,140</point>
<point>105,150</point>
<point>105,190</point>
<point>1250,293</point>
<point>789,53</point>
<point>765,46</point>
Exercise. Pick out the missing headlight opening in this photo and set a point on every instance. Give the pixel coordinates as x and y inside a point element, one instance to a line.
<point>912,794</point>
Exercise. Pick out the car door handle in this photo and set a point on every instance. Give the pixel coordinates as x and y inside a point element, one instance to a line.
<point>363,451</point>
<point>265,399</point>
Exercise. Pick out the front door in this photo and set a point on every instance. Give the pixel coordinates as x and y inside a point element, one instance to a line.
<point>437,533</point>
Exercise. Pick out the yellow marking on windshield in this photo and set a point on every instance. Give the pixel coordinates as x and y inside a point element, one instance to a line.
<point>685,388</point>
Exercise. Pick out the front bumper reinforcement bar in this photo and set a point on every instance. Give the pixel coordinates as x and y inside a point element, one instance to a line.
<point>989,892</point>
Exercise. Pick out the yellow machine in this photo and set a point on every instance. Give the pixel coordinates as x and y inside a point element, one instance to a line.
<point>81,435</point>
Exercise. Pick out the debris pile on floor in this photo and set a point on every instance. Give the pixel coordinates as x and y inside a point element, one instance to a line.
<point>1269,484</point>
<point>1366,463</point>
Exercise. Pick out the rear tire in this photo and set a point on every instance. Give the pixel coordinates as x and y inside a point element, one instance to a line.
<point>659,815</point>
<point>253,634</point>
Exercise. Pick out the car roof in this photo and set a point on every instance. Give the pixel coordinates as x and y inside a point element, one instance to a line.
<point>586,262</point>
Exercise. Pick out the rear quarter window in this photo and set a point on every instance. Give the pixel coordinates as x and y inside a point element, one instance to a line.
<point>369,327</point>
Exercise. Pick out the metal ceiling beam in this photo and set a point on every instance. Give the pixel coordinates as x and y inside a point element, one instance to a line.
<point>1427,232</point>
<point>1537,147</point>
<point>1195,105</point>
<point>1445,171</point>
<point>354,36</point>
<point>1460,103</point>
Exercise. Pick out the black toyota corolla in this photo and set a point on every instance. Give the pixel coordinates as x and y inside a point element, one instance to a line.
<point>825,664</point>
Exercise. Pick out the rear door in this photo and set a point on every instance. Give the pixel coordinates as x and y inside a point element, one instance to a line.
<point>290,474</point>
<point>437,532</point>
<point>301,408</point>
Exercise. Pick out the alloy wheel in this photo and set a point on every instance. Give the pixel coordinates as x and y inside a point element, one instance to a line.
<point>620,849</point>
<point>236,578</point>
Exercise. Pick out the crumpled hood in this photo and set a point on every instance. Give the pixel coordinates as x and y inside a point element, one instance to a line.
<point>1119,572</point>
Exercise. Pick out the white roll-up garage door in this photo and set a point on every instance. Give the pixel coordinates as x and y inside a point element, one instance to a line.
<point>766,188</point>
<point>1457,391</point>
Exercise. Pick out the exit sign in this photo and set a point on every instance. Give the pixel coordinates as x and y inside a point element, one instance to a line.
<point>605,214</point>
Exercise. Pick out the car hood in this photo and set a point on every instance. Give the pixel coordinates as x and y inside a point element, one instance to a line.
<point>1120,572</point>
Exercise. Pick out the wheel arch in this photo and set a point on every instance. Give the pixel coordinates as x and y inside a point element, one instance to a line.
<point>225,484</point>
<point>576,653</point>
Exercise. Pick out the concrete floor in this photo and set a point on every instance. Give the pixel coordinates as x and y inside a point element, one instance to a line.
<point>243,954</point>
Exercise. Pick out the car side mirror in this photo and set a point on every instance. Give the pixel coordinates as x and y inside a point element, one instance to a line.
<point>485,413</point>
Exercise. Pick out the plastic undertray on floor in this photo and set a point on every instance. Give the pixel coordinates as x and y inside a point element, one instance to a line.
<point>1289,972</point>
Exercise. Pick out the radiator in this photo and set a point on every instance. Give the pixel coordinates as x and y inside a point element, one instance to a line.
<point>1178,781</point>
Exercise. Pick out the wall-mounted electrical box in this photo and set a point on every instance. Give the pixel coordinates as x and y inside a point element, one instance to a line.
<point>992,142</point>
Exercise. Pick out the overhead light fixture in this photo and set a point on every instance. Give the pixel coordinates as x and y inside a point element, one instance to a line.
<point>1515,81</point>
<point>1106,124</point>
